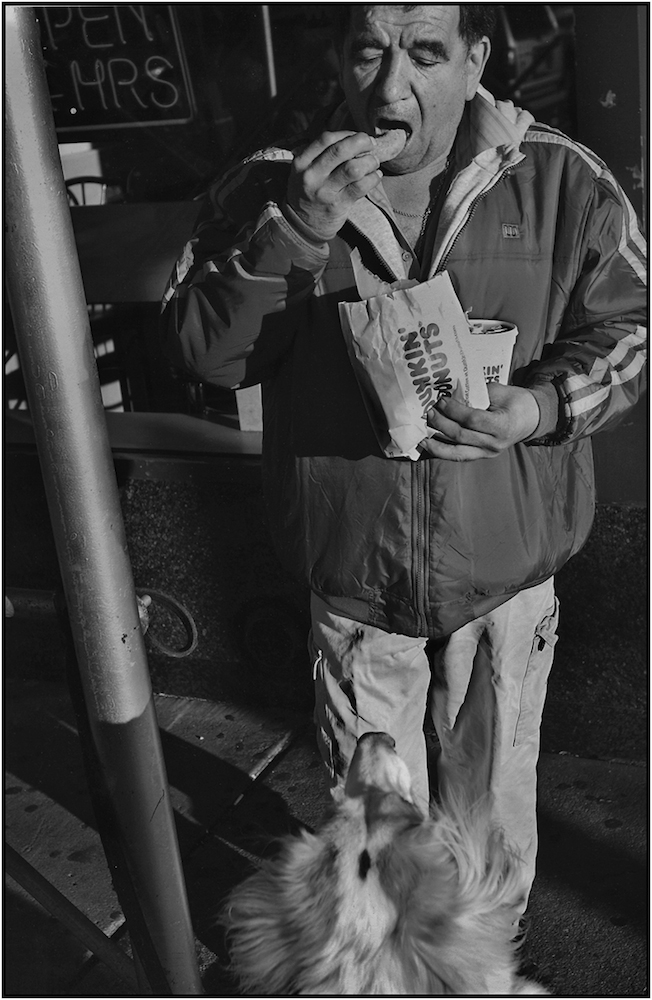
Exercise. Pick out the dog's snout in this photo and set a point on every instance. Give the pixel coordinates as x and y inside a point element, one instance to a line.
<point>378,738</point>
<point>376,765</point>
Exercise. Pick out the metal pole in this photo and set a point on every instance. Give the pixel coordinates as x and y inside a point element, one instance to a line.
<point>55,348</point>
<point>269,50</point>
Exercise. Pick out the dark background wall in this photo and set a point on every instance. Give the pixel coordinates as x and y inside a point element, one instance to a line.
<point>611,98</point>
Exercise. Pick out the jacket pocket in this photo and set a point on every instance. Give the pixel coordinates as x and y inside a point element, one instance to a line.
<point>535,680</point>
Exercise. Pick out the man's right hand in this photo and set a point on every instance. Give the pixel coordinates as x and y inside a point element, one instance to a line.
<point>329,176</point>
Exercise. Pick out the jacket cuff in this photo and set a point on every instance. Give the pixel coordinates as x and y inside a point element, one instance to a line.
<point>549,405</point>
<point>302,229</point>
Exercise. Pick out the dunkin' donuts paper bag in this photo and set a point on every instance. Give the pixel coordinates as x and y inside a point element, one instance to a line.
<point>408,346</point>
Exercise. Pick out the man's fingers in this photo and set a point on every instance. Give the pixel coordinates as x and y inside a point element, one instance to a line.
<point>459,423</point>
<point>331,149</point>
<point>352,171</point>
<point>448,428</point>
<point>354,176</point>
<point>309,153</point>
<point>436,448</point>
<point>346,148</point>
<point>452,409</point>
<point>355,179</point>
<point>327,177</point>
<point>471,433</point>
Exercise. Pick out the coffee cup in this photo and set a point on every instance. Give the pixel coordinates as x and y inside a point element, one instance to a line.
<point>491,344</point>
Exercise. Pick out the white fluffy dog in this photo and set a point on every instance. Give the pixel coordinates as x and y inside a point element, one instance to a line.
<point>382,900</point>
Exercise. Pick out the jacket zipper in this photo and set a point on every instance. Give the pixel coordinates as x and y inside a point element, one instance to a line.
<point>420,514</point>
<point>442,263</point>
<point>421,505</point>
<point>420,468</point>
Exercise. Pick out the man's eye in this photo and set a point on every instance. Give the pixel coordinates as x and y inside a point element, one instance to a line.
<point>425,61</point>
<point>366,57</point>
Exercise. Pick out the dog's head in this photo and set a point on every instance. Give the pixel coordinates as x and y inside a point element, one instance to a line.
<point>382,900</point>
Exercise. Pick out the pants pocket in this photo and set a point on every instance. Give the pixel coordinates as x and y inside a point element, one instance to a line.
<point>535,680</point>
<point>321,716</point>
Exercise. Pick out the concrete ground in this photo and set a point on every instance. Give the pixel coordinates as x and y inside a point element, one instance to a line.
<point>587,933</point>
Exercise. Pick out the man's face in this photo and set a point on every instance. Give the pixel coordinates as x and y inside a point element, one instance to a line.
<point>410,70</point>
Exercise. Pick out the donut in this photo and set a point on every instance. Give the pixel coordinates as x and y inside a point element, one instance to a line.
<point>390,144</point>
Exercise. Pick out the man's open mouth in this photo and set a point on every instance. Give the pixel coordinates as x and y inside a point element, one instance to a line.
<point>384,125</point>
<point>391,138</point>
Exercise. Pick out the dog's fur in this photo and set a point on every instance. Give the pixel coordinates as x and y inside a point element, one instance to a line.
<point>382,900</point>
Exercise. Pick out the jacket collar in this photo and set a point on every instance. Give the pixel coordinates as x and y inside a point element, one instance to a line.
<point>491,125</point>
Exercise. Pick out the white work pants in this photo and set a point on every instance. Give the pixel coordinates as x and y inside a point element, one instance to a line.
<point>485,698</point>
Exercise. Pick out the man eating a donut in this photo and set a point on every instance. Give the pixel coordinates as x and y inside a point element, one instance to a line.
<point>432,595</point>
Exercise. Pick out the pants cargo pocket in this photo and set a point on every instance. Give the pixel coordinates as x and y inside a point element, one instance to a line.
<point>535,680</point>
<point>322,717</point>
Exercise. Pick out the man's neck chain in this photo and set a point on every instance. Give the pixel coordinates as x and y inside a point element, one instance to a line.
<point>424,216</point>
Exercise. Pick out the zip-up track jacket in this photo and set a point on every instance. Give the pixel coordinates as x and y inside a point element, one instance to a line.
<point>535,231</point>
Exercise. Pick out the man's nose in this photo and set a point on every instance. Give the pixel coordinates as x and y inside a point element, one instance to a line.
<point>393,82</point>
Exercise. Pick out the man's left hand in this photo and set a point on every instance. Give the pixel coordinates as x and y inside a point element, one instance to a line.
<point>470,434</point>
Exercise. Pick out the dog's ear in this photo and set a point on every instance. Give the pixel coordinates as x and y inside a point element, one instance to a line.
<point>278,919</point>
<point>258,946</point>
<point>421,879</point>
<point>490,873</point>
<point>419,875</point>
<point>459,917</point>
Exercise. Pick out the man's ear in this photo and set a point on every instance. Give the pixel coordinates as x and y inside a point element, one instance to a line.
<point>476,61</point>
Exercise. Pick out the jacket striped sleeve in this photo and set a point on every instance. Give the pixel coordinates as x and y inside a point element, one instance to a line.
<point>597,364</point>
<point>228,310</point>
